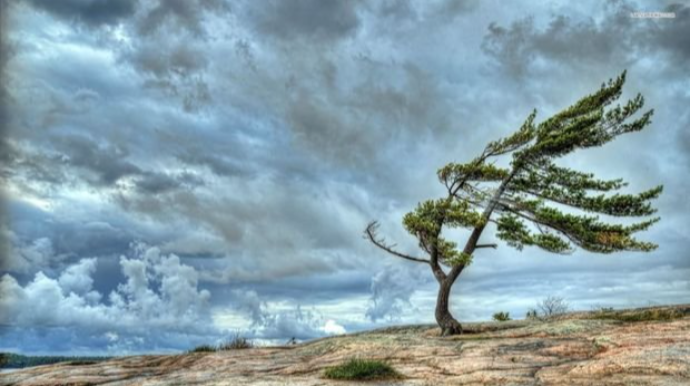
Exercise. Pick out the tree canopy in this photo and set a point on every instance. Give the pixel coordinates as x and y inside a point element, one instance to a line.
<point>532,200</point>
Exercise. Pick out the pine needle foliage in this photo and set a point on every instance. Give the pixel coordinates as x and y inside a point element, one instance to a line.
<point>533,201</point>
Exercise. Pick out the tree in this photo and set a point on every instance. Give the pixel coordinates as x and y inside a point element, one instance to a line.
<point>532,201</point>
<point>553,306</point>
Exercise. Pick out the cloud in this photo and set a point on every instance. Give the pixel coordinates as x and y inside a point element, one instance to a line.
<point>77,278</point>
<point>185,15</point>
<point>160,297</point>
<point>392,289</point>
<point>307,20</point>
<point>175,67</point>
<point>90,12</point>
<point>615,38</point>
<point>31,257</point>
<point>256,140</point>
<point>106,164</point>
<point>282,324</point>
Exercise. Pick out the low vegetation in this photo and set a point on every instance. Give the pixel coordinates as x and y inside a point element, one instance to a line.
<point>16,361</point>
<point>204,348</point>
<point>532,314</point>
<point>238,342</point>
<point>502,316</point>
<point>638,315</point>
<point>552,307</point>
<point>362,369</point>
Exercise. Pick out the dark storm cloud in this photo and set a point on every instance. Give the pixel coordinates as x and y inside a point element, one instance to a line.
<point>219,164</point>
<point>674,35</point>
<point>105,162</point>
<point>170,52</point>
<point>89,12</point>
<point>450,9</point>
<point>78,159</point>
<point>312,20</point>
<point>68,238</point>
<point>6,52</point>
<point>181,14</point>
<point>349,125</point>
<point>255,143</point>
<point>163,60</point>
<point>614,38</point>
<point>157,183</point>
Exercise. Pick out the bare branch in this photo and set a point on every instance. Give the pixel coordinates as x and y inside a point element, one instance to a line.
<point>494,246</point>
<point>370,233</point>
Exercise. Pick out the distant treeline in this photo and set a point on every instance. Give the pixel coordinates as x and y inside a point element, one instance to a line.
<point>16,361</point>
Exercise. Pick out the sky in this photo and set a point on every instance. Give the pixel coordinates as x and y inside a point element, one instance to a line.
<point>175,172</point>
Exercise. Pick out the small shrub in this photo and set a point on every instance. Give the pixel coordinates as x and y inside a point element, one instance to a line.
<point>502,316</point>
<point>552,307</point>
<point>362,369</point>
<point>204,348</point>
<point>238,342</point>
<point>532,314</point>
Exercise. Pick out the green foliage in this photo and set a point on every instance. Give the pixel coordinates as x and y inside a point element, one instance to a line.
<point>428,218</point>
<point>238,342</point>
<point>534,181</point>
<point>471,172</point>
<point>515,141</point>
<point>533,201</point>
<point>9,360</point>
<point>204,348</point>
<point>457,258</point>
<point>362,369</point>
<point>502,316</point>
<point>514,231</point>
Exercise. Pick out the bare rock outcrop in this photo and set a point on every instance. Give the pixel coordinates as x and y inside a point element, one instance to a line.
<point>581,349</point>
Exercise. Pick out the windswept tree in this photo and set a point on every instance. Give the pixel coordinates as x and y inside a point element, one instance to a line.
<point>532,201</point>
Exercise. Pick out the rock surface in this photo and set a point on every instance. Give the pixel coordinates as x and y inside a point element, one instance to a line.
<point>579,349</point>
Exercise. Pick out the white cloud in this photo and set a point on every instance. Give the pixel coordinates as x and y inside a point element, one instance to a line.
<point>391,290</point>
<point>333,328</point>
<point>277,322</point>
<point>77,278</point>
<point>160,295</point>
<point>27,257</point>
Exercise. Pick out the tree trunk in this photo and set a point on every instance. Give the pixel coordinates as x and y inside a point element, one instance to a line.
<point>448,324</point>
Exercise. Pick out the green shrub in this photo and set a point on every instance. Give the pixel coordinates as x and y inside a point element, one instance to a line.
<point>236,343</point>
<point>362,369</point>
<point>204,348</point>
<point>502,316</point>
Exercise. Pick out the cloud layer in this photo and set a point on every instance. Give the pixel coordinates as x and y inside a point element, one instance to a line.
<point>250,143</point>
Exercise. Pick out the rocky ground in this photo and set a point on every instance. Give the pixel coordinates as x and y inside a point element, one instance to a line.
<point>619,348</point>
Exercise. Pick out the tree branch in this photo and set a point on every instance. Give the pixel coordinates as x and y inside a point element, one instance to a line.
<point>537,222</point>
<point>494,246</point>
<point>370,233</point>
